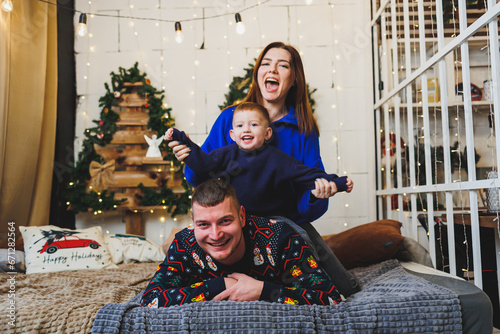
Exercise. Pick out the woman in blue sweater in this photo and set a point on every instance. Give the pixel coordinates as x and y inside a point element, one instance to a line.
<point>279,85</point>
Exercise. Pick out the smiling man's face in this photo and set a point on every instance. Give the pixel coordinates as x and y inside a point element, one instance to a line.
<point>219,230</point>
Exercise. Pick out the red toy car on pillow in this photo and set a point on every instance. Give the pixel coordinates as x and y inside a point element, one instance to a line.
<point>68,241</point>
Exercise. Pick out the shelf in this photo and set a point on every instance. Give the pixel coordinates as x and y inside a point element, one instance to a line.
<point>438,104</point>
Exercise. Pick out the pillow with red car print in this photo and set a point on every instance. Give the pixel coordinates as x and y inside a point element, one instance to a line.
<point>50,248</point>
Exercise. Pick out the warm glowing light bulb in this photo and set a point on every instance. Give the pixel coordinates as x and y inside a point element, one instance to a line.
<point>308,2</point>
<point>240,27</point>
<point>7,6</point>
<point>82,25</point>
<point>178,32</point>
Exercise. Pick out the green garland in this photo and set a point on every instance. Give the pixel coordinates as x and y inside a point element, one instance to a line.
<point>79,198</point>
<point>238,89</point>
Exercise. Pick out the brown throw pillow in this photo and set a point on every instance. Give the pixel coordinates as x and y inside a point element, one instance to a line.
<point>366,244</point>
<point>166,244</point>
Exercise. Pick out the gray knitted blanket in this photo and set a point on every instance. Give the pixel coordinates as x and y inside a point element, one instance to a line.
<point>390,301</point>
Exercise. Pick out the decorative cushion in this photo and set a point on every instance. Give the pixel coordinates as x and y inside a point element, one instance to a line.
<point>50,248</point>
<point>115,248</point>
<point>133,248</point>
<point>366,244</point>
<point>166,244</point>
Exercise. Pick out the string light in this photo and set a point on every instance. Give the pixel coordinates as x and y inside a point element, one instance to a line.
<point>240,27</point>
<point>82,25</point>
<point>7,6</point>
<point>178,32</point>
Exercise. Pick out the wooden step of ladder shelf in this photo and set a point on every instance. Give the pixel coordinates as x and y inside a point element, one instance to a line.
<point>128,148</point>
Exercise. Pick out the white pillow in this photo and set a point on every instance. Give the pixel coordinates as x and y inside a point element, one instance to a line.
<point>50,248</point>
<point>115,248</point>
<point>134,248</point>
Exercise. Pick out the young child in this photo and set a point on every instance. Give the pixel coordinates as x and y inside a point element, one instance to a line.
<point>268,181</point>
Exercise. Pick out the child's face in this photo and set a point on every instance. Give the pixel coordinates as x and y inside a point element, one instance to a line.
<point>250,130</point>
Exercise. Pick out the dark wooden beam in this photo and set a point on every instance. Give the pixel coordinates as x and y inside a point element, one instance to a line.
<point>66,114</point>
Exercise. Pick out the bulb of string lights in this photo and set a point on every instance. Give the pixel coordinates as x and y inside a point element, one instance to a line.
<point>240,27</point>
<point>178,32</point>
<point>7,6</point>
<point>82,25</point>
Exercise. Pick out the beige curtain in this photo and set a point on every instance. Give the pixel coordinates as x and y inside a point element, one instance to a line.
<point>28,105</point>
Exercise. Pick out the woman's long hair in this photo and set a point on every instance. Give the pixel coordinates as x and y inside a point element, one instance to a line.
<point>297,95</point>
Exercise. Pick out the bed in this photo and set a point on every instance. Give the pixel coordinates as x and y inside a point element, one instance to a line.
<point>396,296</point>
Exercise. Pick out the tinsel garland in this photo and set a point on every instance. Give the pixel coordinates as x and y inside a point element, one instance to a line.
<point>79,197</point>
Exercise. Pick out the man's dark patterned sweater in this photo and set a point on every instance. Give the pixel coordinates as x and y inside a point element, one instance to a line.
<point>275,254</point>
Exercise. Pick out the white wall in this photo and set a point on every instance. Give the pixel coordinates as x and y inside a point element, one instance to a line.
<point>335,45</point>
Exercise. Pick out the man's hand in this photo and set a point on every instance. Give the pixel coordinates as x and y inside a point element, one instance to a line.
<point>324,188</point>
<point>241,288</point>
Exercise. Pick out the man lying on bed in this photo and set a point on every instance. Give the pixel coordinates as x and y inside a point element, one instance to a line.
<point>229,256</point>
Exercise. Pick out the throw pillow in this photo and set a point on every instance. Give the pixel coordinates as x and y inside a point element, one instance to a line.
<point>115,248</point>
<point>51,248</point>
<point>166,244</point>
<point>366,244</point>
<point>134,248</point>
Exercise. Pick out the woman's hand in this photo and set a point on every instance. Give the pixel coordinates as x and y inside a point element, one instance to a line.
<point>324,188</point>
<point>350,184</point>
<point>168,134</point>
<point>181,151</point>
<point>244,289</point>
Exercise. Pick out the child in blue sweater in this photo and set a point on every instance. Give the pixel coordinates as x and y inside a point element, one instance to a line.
<point>268,181</point>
